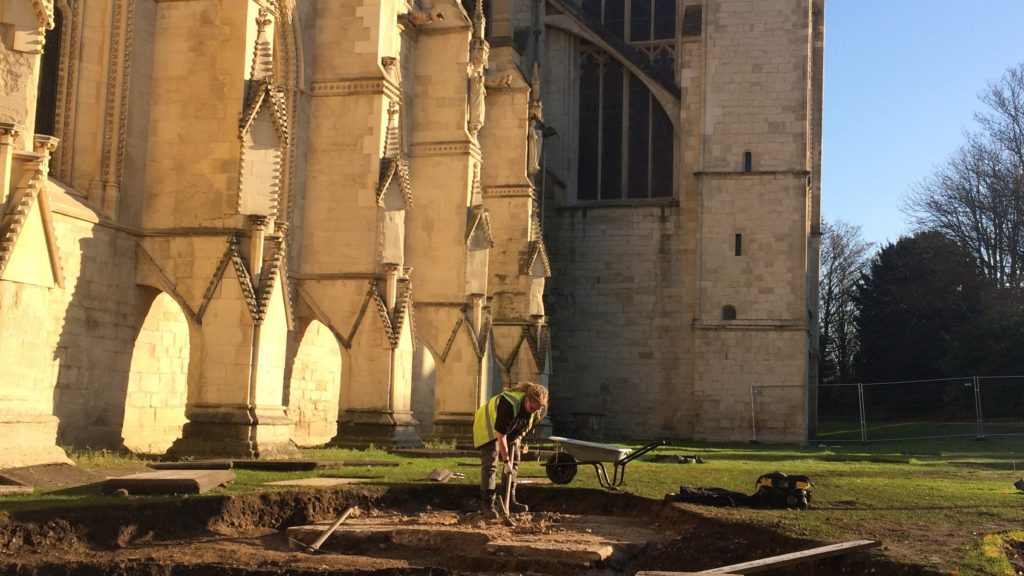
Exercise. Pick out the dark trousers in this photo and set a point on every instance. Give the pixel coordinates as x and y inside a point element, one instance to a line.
<point>489,465</point>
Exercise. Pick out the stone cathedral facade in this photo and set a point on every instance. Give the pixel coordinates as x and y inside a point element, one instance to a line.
<point>235,227</point>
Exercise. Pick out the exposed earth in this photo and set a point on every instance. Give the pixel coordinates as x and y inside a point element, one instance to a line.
<point>421,529</point>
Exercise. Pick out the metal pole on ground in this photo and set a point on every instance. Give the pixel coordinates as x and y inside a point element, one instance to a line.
<point>863,419</point>
<point>977,407</point>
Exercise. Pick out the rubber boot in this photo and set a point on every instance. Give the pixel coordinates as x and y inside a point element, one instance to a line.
<point>488,504</point>
<point>514,505</point>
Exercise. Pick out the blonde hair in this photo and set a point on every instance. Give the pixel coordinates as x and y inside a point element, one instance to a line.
<point>534,391</point>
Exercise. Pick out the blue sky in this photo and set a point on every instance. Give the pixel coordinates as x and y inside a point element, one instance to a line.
<point>902,79</point>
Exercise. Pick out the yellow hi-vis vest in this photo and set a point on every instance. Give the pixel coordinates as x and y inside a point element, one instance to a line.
<point>487,415</point>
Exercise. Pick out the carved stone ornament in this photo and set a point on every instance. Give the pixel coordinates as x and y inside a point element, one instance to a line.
<point>477,105</point>
<point>479,21</point>
<point>479,49</point>
<point>479,54</point>
<point>263,51</point>
<point>45,145</point>
<point>44,13</point>
<point>391,69</point>
<point>503,81</point>
<point>536,105</point>
<point>534,141</point>
<point>424,17</point>
<point>9,130</point>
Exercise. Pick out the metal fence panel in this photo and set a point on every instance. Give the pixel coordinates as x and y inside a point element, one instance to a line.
<point>920,409</point>
<point>951,407</point>
<point>1001,404</point>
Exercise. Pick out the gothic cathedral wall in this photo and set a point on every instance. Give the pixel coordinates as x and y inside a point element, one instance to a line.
<point>234,227</point>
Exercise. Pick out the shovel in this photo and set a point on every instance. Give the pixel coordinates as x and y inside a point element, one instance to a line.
<point>323,537</point>
<point>507,478</point>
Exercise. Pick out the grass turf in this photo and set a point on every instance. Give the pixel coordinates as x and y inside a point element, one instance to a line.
<point>945,503</point>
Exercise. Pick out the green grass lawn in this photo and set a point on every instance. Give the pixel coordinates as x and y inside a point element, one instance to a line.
<point>949,503</point>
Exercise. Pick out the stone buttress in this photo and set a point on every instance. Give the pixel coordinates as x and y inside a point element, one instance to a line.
<point>449,237</point>
<point>354,275</point>
<point>519,262</point>
<point>218,127</point>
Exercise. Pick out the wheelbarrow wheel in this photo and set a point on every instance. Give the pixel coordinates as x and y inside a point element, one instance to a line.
<point>561,468</point>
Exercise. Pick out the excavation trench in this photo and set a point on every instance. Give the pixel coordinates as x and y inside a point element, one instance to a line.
<point>427,529</point>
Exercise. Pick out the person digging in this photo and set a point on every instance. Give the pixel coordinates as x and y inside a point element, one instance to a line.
<point>498,429</point>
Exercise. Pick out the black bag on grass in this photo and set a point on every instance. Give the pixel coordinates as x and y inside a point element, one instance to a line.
<point>711,497</point>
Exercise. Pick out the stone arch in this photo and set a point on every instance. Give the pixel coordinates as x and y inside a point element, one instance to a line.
<point>154,410</point>
<point>424,382</point>
<point>315,386</point>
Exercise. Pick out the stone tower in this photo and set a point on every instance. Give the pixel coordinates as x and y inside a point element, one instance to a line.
<point>683,215</point>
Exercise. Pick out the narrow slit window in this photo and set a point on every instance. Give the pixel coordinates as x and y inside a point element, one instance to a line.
<point>748,162</point>
<point>739,244</point>
<point>691,20</point>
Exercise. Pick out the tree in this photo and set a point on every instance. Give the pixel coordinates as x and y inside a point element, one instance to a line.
<point>844,257</point>
<point>918,311</point>
<point>977,197</point>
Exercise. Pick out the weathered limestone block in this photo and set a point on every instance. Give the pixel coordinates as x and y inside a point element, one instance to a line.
<point>315,386</point>
<point>158,380</point>
<point>757,356</point>
<point>204,53</point>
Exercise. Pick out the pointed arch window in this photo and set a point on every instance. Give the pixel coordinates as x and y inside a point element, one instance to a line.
<point>626,140</point>
<point>49,69</point>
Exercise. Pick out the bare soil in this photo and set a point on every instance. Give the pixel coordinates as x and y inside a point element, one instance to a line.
<point>245,536</point>
<point>1015,554</point>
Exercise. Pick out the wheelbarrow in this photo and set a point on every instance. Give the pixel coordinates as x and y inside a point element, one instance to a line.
<point>562,466</point>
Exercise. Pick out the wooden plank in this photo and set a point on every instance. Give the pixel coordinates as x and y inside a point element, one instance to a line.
<point>662,573</point>
<point>773,562</point>
<point>15,489</point>
<point>383,463</point>
<point>276,465</point>
<point>192,465</point>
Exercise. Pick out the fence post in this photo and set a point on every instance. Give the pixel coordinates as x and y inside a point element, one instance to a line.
<point>977,407</point>
<point>863,419</point>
